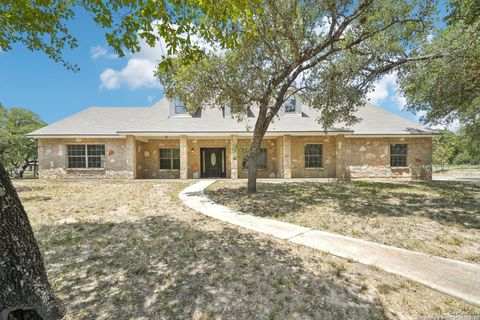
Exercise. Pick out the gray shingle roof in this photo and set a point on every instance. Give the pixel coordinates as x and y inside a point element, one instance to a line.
<point>107,121</point>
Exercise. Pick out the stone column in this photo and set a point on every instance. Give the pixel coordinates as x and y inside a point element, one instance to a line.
<point>287,157</point>
<point>183,157</point>
<point>131,159</point>
<point>340,159</point>
<point>233,157</point>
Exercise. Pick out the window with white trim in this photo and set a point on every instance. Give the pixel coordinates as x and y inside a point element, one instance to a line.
<point>85,156</point>
<point>180,107</point>
<point>261,160</point>
<point>170,158</point>
<point>398,155</point>
<point>291,104</point>
<point>313,156</point>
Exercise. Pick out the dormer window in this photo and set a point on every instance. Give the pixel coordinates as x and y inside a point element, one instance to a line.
<point>290,105</point>
<point>179,107</point>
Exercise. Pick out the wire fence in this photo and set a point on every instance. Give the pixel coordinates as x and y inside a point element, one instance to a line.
<point>442,167</point>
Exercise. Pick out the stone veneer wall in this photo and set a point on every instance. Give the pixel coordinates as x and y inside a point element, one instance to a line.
<point>52,159</point>
<point>370,158</point>
<point>363,158</point>
<point>273,170</point>
<point>148,159</point>
<point>298,157</point>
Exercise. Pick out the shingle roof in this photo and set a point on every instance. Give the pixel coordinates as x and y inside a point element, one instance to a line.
<point>106,121</point>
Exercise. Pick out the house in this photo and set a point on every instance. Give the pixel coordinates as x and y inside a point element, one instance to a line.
<point>164,141</point>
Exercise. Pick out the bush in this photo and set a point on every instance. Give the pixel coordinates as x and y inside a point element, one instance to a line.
<point>462,158</point>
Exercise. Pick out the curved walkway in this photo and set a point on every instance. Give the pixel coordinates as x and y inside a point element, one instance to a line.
<point>456,278</point>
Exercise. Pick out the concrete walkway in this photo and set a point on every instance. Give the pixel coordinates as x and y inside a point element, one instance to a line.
<point>456,278</point>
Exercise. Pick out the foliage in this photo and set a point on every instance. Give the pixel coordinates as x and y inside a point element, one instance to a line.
<point>448,88</point>
<point>456,147</point>
<point>330,51</point>
<point>16,148</point>
<point>42,25</point>
<point>445,147</point>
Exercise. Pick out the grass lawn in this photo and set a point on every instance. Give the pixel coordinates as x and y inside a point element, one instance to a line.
<point>439,218</point>
<point>131,250</point>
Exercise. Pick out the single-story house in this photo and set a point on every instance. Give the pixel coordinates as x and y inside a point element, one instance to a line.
<point>164,141</point>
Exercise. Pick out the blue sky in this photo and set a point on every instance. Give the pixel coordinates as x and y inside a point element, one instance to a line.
<point>31,80</point>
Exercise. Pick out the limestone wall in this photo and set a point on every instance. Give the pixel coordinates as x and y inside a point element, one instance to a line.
<point>148,159</point>
<point>370,158</point>
<point>52,159</point>
<point>129,158</point>
<point>273,169</point>
<point>298,157</point>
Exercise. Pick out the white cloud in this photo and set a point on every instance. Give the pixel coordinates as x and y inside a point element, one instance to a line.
<point>140,68</point>
<point>137,73</point>
<point>101,52</point>
<point>387,87</point>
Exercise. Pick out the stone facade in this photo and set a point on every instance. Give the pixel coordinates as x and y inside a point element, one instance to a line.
<point>344,157</point>
<point>148,159</point>
<point>370,158</point>
<point>118,161</point>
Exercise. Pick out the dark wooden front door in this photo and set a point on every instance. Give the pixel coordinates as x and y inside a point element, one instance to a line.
<point>213,162</point>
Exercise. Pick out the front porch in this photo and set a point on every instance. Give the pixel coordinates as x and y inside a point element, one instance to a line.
<point>190,157</point>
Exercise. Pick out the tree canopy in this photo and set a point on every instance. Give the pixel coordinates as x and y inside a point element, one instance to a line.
<point>448,88</point>
<point>16,149</point>
<point>43,25</point>
<point>331,52</point>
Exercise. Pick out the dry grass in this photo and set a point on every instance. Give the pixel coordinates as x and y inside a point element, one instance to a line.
<point>130,250</point>
<point>439,218</point>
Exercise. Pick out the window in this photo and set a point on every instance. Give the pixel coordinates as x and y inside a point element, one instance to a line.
<point>261,160</point>
<point>290,105</point>
<point>170,158</point>
<point>313,156</point>
<point>85,155</point>
<point>179,107</point>
<point>398,155</point>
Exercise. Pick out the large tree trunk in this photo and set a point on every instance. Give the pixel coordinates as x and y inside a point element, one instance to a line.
<point>252,163</point>
<point>258,133</point>
<point>25,292</point>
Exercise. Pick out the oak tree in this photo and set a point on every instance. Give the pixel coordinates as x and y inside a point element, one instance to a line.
<point>331,52</point>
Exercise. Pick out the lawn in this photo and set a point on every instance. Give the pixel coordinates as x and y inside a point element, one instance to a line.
<point>438,218</point>
<point>131,250</point>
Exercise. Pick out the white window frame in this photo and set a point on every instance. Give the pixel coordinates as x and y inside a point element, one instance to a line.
<point>292,97</point>
<point>85,145</point>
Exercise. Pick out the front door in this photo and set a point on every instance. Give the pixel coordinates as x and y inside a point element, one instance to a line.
<point>213,162</point>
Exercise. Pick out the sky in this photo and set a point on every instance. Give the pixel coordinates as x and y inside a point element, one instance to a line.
<point>31,80</point>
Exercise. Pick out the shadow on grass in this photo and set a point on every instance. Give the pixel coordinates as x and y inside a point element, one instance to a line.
<point>166,269</point>
<point>443,201</point>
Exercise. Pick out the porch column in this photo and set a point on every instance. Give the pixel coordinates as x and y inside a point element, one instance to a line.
<point>131,154</point>
<point>183,157</point>
<point>341,164</point>
<point>287,158</point>
<point>233,157</point>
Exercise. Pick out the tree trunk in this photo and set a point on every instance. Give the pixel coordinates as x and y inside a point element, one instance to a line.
<point>252,163</point>
<point>258,133</point>
<point>23,168</point>
<point>25,292</point>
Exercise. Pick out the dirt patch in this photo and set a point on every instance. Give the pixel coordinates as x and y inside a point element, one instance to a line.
<point>129,249</point>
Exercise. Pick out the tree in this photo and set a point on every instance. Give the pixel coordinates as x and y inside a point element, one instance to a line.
<point>25,292</point>
<point>330,51</point>
<point>445,147</point>
<point>448,89</point>
<point>42,25</point>
<point>16,149</point>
